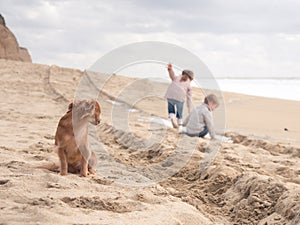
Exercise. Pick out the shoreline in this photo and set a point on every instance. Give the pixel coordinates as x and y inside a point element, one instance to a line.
<point>251,115</point>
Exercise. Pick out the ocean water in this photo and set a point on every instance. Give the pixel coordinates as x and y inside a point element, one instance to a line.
<point>272,88</point>
<point>280,88</point>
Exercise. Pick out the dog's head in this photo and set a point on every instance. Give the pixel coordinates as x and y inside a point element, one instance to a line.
<point>86,109</point>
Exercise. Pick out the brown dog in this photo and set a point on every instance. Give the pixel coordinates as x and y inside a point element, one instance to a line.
<point>71,137</point>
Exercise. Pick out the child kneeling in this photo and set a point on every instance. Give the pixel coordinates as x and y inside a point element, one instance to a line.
<point>200,121</point>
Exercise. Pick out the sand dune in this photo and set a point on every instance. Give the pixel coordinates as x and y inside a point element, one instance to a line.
<point>147,173</point>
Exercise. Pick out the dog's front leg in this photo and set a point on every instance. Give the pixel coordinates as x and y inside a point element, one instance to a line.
<point>63,161</point>
<point>86,154</point>
<point>92,163</point>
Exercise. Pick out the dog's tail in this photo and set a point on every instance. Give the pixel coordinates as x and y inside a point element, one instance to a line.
<point>50,166</point>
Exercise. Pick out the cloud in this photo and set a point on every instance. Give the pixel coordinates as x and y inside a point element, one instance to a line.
<point>230,16</point>
<point>246,38</point>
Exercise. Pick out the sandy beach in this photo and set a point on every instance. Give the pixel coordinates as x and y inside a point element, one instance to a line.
<point>147,172</point>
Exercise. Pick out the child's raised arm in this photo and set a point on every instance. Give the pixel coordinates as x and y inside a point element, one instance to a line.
<point>171,72</point>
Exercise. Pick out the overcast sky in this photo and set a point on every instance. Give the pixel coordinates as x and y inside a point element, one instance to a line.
<point>232,37</point>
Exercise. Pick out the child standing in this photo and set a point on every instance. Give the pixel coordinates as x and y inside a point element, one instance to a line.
<point>177,92</point>
<point>200,121</point>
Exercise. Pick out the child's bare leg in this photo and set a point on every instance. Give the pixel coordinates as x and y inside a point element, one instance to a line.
<point>173,120</point>
<point>179,121</point>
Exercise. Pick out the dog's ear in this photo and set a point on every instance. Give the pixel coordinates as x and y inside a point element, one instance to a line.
<point>97,107</point>
<point>74,104</point>
<point>70,107</point>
